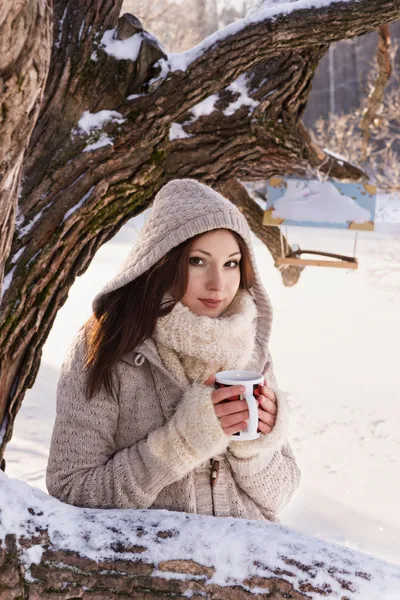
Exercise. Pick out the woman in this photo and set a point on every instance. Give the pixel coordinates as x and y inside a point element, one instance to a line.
<point>139,424</point>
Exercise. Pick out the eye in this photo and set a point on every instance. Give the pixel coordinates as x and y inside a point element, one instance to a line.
<point>195,260</point>
<point>233,263</point>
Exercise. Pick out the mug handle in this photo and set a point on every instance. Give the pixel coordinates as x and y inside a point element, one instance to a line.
<point>253,412</point>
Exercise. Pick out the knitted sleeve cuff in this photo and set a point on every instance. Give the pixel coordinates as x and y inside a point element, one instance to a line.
<point>198,424</point>
<point>263,448</point>
<point>193,434</point>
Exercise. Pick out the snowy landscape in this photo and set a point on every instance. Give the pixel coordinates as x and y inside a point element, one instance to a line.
<point>335,345</point>
<point>131,102</point>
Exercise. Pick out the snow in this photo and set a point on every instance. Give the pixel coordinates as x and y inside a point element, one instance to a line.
<point>240,86</point>
<point>78,204</point>
<point>164,70</point>
<point>104,140</point>
<point>176,132</point>
<point>388,213</point>
<point>33,555</point>
<point>134,96</point>
<point>26,229</point>
<point>335,345</point>
<point>8,278</point>
<point>17,255</point>
<point>286,7</point>
<point>6,283</point>
<point>90,121</point>
<point>33,258</point>
<point>60,28</point>
<point>235,549</point>
<point>3,429</point>
<point>318,202</point>
<point>81,30</point>
<point>122,49</point>
<point>340,158</point>
<point>205,107</point>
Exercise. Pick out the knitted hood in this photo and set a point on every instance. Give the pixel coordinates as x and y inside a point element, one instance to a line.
<point>182,209</point>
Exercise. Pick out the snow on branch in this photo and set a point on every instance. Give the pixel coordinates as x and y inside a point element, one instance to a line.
<point>121,49</point>
<point>206,107</point>
<point>176,549</point>
<point>272,10</point>
<point>286,6</point>
<point>90,121</point>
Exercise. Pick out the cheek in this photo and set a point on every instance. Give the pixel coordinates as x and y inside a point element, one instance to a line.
<point>195,282</point>
<point>235,281</point>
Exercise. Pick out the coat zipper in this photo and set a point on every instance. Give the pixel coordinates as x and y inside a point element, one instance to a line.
<point>213,479</point>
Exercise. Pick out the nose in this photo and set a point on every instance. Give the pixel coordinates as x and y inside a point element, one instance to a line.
<point>215,280</point>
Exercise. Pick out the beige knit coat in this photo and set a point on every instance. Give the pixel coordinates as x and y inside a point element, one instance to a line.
<point>153,446</point>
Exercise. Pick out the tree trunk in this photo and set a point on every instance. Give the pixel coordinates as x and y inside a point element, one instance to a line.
<point>25,44</point>
<point>84,178</point>
<point>51,550</point>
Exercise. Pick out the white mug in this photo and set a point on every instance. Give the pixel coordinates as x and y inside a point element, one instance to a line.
<point>251,380</point>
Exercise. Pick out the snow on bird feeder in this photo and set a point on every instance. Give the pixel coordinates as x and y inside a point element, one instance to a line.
<point>324,204</point>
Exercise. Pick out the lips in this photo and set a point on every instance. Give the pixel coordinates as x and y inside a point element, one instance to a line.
<point>210,303</point>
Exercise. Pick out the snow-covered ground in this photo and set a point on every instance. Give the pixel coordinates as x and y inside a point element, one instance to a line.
<point>336,349</point>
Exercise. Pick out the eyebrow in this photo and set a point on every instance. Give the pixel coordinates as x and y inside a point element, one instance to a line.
<point>208,254</point>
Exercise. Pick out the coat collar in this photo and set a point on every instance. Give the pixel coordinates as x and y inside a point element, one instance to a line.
<point>148,350</point>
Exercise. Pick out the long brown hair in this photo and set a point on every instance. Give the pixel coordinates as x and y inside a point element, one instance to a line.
<point>128,315</point>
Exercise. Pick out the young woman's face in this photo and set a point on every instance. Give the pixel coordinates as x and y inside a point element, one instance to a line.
<point>213,273</point>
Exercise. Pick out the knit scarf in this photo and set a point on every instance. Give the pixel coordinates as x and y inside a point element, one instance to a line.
<point>193,347</point>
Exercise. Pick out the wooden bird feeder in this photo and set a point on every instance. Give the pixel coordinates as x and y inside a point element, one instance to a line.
<point>326,204</point>
<point>295,258</point>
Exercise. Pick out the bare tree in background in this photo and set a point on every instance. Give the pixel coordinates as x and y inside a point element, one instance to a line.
<point>180,25</point>
<point>369,136</point>
<point>173,26</point>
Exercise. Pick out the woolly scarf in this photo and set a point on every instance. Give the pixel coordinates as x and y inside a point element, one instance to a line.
<point>192,347</point>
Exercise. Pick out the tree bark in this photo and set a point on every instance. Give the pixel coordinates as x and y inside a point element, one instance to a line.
<point>25,44</point>
<point>52,550</point>
<point>82,183</point>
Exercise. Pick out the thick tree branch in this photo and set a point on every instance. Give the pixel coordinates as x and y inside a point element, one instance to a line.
<point>52,550</point>
<point>81,183</point>
<point>242,45</point>
<point>259,141</point>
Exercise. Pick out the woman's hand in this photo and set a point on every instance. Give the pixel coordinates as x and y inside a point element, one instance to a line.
<point>233,415</point>
<point>266,410</point>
